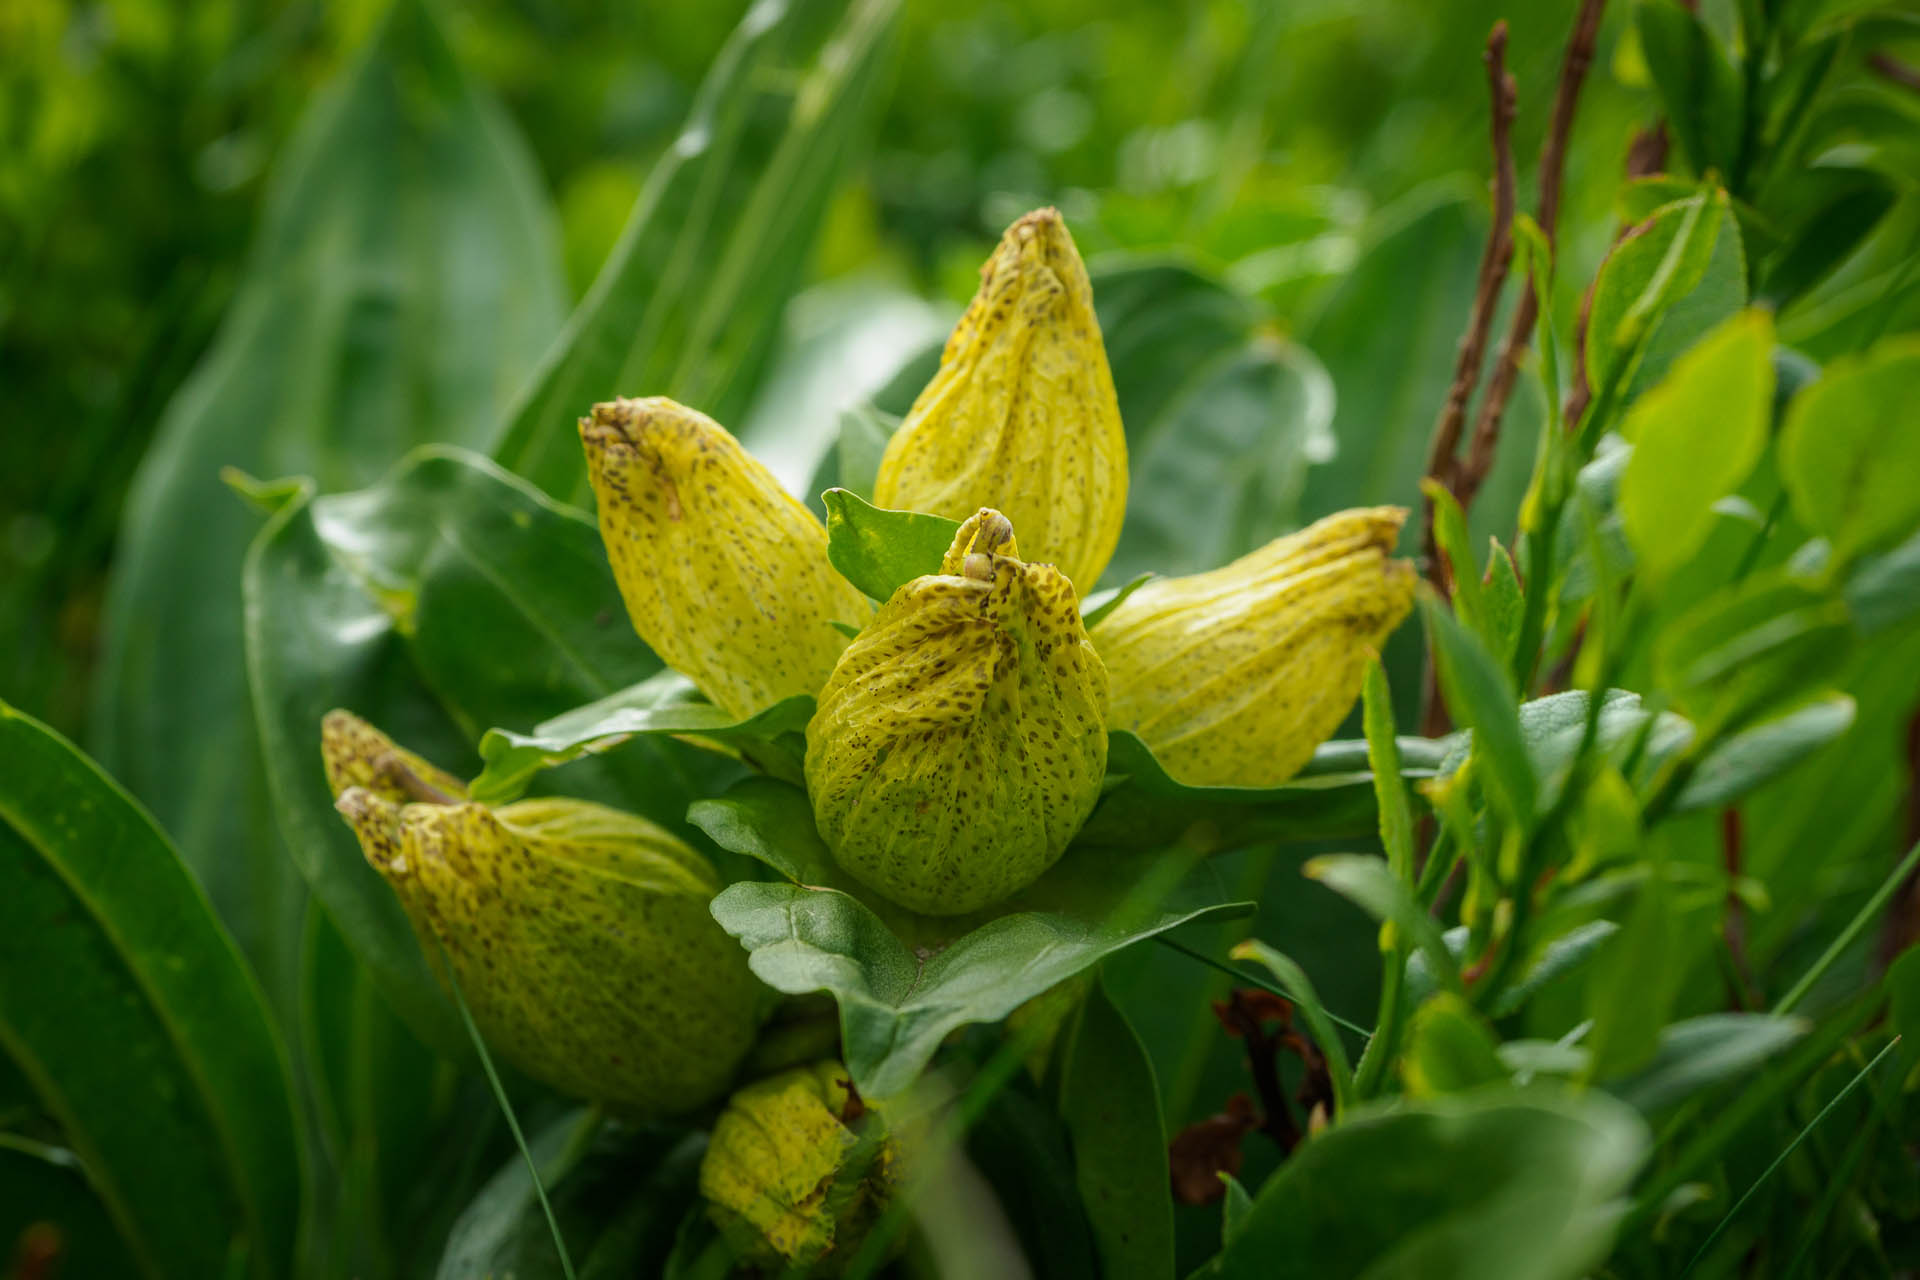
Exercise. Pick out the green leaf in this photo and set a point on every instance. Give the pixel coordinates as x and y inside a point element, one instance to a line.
<point>1698,86</point>
<point>1552,727</point>
<point>880,551</point>
<point>1749,647</point>
<point>1299,988</point>
<point>43,1189</point>
<point>1234,1208</point>
<point>1848,451</point>
<point>1389,786</point>
<point>1634,984</point>
<point>1750,759</point>
<point>1827,238</point>
<point>689,302</point>
<point>1101,603</point>
<point>129,1011</point>
<point>865,433</point>
<point>1695,437</point>
<point>1884,590</point>
<point>618,1194</point>
<point>1679,276</point>
<point>1494,1185</point>
<point>1334,795</point>
<point>1110,1105</point>
<point>1697,1053</point>
<point>1480,695</point>
<point>900,996</point>
<point>403,279</point>
<point>1365,881</point>
<point>1449,1049</point>
<point>661,704</point>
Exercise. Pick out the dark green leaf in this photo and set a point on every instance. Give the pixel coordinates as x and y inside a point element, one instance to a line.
<point>1234,1208</point>
<point>1884,590</point>
<point>1826,239</point>
<point>403,281</point>
<point>900,997</point>
<point>1695,436</point>
<point>689,302</point>
<point>43,1190</point>
<point>128,1010</point>
<point>1848,451</point>
<point>1365,881</point>
<point>1111,1108</point>
<point>1299,988</point>
<point>1700,1052</point>
<point>1699,87</point>
<point>1332,796</point>
<point>880,551</point>
<point>1634,984</point>
<point>1494,1185</point>
<point>1389,786</point>
<point>1754,757</point>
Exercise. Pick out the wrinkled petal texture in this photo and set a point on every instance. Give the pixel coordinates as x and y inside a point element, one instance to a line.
<point>1233,677</point>
<point>1022,415</point>
<point>773,1171</point>
<point>581,941</point>
<point>961,742</point>
<point>725,575</point>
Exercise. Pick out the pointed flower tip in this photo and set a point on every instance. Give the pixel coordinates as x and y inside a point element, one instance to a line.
<point>358,755</point>
<point>724,574</point>
<point>1022,416</point>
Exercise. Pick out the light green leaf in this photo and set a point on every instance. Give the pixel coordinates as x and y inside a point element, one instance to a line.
<point>1849,452</point>
<point>1449,1049</point>
<point>1754,757</point>
<point>1480,695</point>
<point>131,1016</point>
<point>1365,881</point>
<point>1695,437</point>
<point>1698,1053</point>
<point>1698,85</point>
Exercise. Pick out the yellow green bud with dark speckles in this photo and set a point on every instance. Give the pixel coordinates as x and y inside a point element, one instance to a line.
<point>725,575</point>
<point>961,741</point>
<point>580,938</point>
<point>358,755</point>
<point>1233,677</point>
<point>799,1170</point>
<point>1022,415</point>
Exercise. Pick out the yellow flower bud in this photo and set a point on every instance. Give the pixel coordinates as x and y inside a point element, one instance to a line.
<point>725,575</point>
<point>358,755</point>
<point>580,938</point>
<point>961,741</point>
<point>1022,415</point>
<point>798,1171</point>
<point>1233,677</point>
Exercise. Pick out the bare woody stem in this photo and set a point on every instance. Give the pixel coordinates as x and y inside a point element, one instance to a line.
<point>1553,161</point>
<point>1442,464</point>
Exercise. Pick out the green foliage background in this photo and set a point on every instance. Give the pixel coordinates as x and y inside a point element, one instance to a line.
<point>336,247</point>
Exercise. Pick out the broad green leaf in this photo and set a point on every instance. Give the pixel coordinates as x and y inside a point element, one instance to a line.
<point>403,279</point>
<point>129,1012</point>
<point>1480,696</point>
<point>1334,795</point>
<point>1698,86</point>
<point>1697,1053</point>
<point>1234,1208</point>
<point>44,1190</point>
<point>690,300</point>
<point>1450,1049</point>
<point>899,997</point>
<point>663,704</point>
<point>1564,954</point>
<point>1365,881</point>
<point>1695,437</point>
<point>618,1194</point>
<point>1884,590</point>
<point>1826,239</point>
<point>1848,451</point>
<point>1019,1148</point>
<point>1110,1105</point>
<point>1634,983</point>
<point>1754,757</point>
<point>1552,727</point>
<point>880,551</point>
<point>1679,276</point>
<point>1494,1185</point>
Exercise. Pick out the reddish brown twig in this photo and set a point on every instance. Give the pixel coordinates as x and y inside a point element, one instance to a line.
<point>1553,162</point>
<point>1895,70</point>
<point>1442,464</point>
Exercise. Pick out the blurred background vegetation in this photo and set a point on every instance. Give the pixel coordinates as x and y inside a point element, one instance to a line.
<point>136,138</point>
